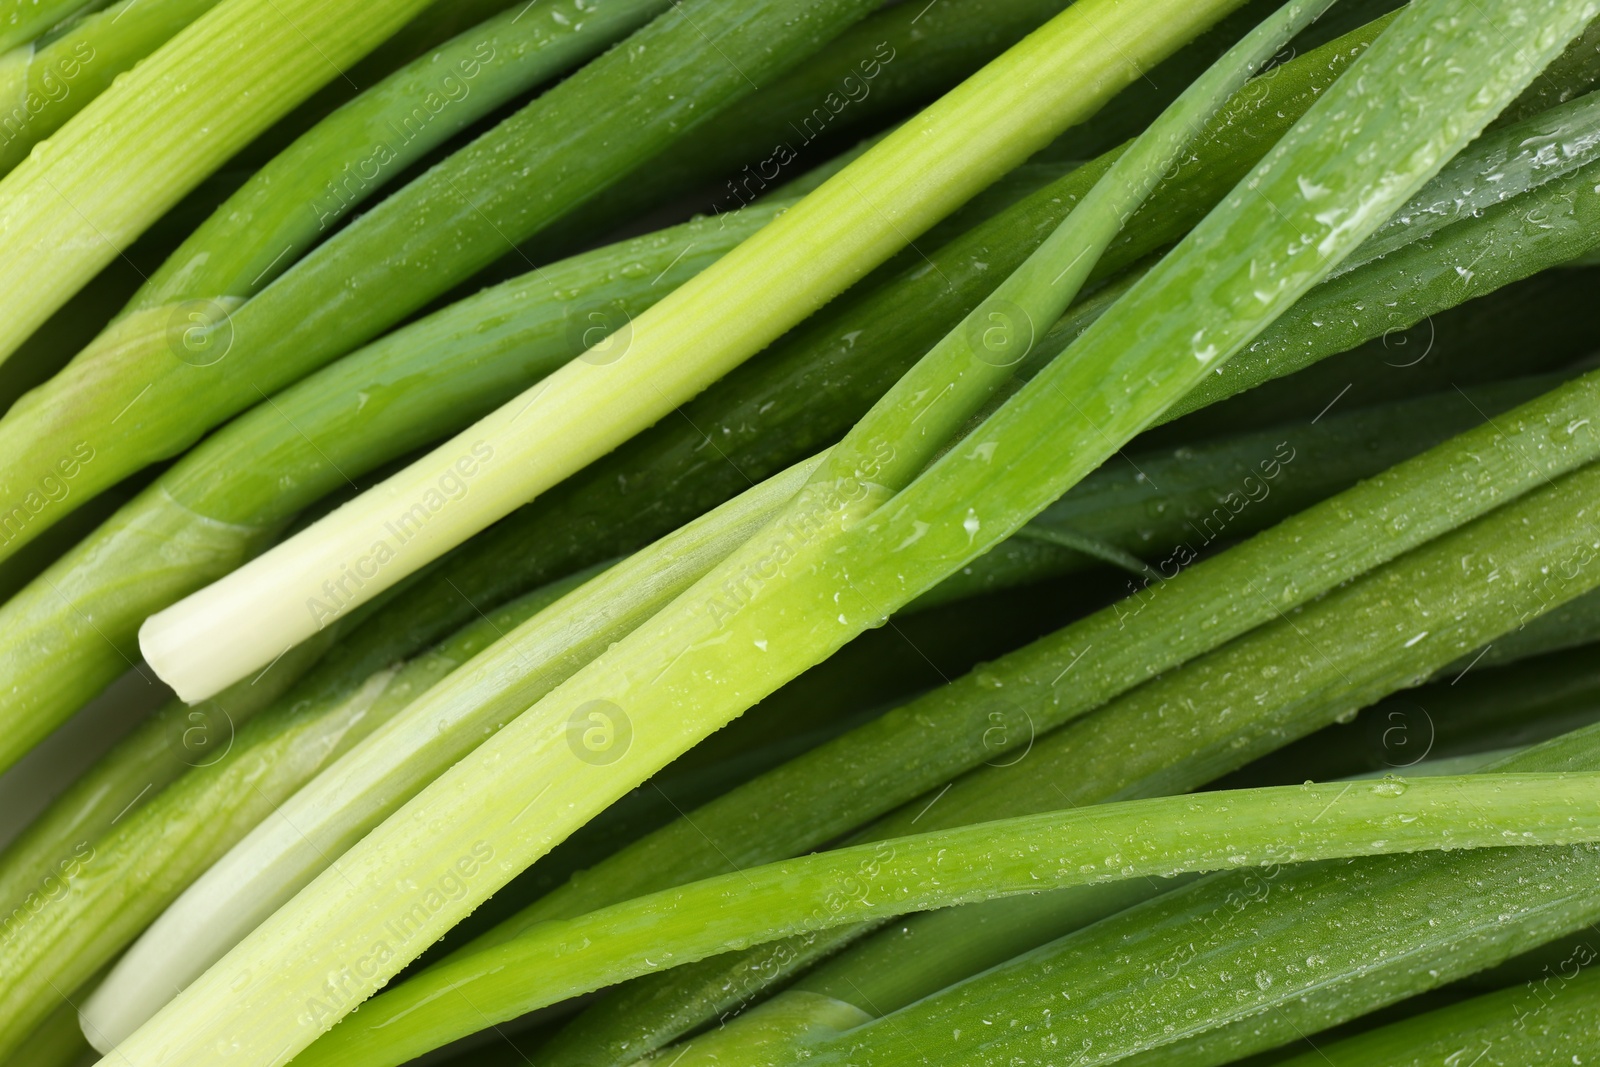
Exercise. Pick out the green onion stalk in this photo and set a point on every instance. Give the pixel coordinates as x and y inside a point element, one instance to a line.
<point>119,880</point>
<point>160,130</point>
<point>54,78</point>
<point>700,662</point>
<point>805,391</point>
<point>1327,942</point>
<point>1569,626</point>
<point>1544,1022</point>
<point>22,21</point>
<point>356,796</point>
<point>1113,504</point>
<point>828,240</point>
<point>532,655</point>
<point>72,630</point>
<point>1000,714</point>
<point>1469,707</point>
<point>1150,838</point>
<point>161,376</point>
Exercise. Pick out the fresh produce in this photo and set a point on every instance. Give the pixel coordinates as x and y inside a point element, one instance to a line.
<point>999,532</point>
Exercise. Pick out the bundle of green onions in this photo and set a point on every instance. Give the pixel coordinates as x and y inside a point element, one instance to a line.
<point>583,532</point>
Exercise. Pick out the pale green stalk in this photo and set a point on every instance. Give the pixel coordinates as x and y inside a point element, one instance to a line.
<point>46,83</point>
<point>136,149</point>
<point>853,222</point>
<point>1089,846</point>
<point>69,632</point>
<point>392,764</point>
<point>120,880</point>
<point>703,661</point>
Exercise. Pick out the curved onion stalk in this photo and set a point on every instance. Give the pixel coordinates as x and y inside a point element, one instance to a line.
<point>55,78</point>
<point>1551,1021</point>
<point>61,220</point>
<point>124,878</point>
<point>568,143</point>
<point>396,761</point>
<point>66,635</point>
<point>1040,289</point>
<point>853,222</point>
<point>1148,838</point>
<point>1204,300</point>
<point>1326,943</point>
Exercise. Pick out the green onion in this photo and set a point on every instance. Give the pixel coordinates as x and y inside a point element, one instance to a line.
<point>1549,1021</point>
<point>72,630</point>
<point>23,20</point>
<point>117,882</point>
<point>1151,838</point>
<point>433,732</point>
<point>687,341</point>
<point>162,128</point>
<point>55,78</point>
<point>1202,297</point>
<point>1236,964</point>
<point>1084,235</point>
